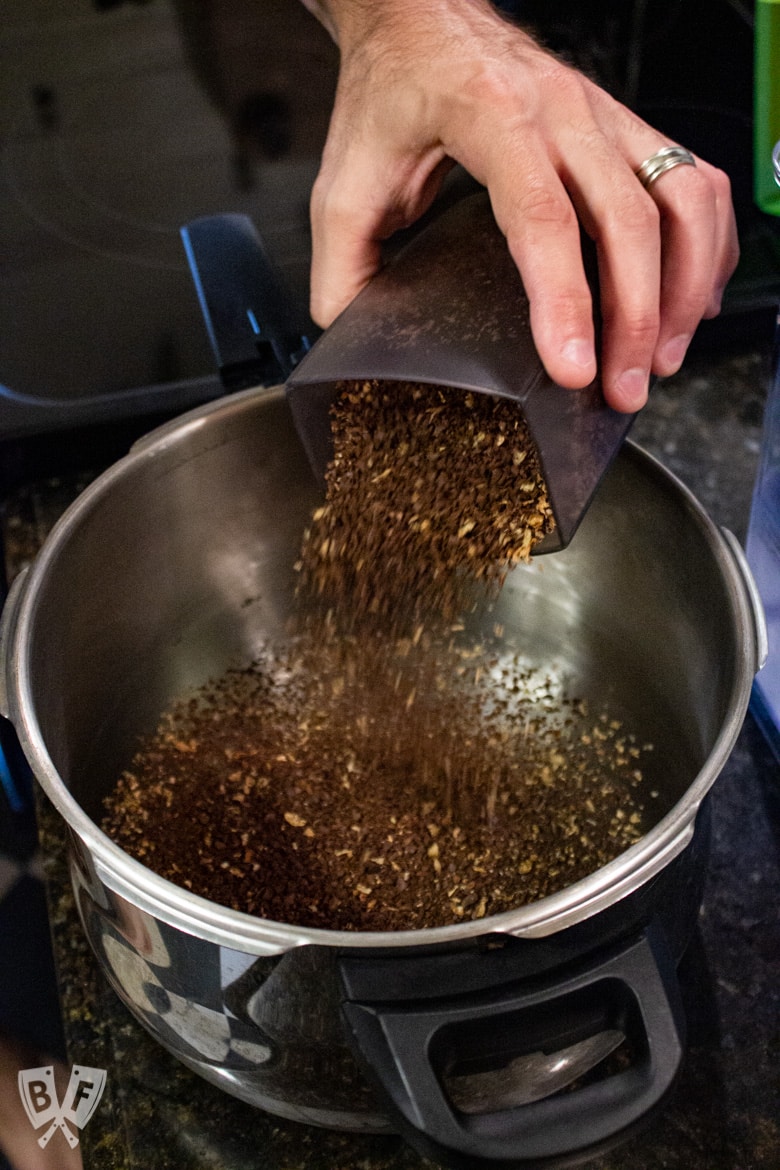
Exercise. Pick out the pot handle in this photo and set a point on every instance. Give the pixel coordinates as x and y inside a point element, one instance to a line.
<point>410,1048</point>
<point>761,636</point>
<point>257,333</point>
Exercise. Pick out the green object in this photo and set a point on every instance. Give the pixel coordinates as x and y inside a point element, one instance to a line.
<point>766,104</point>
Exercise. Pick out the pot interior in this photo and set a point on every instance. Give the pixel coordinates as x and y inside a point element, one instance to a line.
<point>178,564</point>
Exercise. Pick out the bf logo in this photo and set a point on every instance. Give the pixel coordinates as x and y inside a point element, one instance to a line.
<point>39,1097</point>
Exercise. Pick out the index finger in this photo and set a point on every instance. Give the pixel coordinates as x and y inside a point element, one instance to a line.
<point>536,215</point>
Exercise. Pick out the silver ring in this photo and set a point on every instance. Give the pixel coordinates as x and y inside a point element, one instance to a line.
<point>663,160</point>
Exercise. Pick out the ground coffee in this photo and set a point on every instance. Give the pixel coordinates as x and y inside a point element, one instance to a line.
<point>383,769</point>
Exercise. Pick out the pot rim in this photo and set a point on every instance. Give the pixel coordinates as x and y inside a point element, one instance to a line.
<point>140,886</point>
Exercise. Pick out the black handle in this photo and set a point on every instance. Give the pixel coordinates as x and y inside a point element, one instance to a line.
<point>256,332</point>
<point>410,1049</point>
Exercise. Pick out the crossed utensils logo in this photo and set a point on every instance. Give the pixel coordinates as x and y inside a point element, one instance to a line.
<point>39,1097</point>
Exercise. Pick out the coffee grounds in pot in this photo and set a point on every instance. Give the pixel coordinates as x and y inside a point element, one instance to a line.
<point>280,793</point>
<point>383,769</point>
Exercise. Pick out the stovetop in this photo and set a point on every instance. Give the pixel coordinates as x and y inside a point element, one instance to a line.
<point>118,124</point>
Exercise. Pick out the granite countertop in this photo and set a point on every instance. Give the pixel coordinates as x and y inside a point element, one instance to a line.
<point>704,424</point>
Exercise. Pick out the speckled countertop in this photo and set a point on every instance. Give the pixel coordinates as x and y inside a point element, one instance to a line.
<point>704,424</point>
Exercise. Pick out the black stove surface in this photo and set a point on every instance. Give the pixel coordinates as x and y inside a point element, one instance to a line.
<point>118,124</point>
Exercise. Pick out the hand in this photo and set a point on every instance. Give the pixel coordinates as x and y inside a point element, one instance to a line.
<point>423,86</point>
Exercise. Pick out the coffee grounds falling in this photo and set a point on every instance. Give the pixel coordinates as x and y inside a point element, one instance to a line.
<point>382,770</point>
<point>430,491</point>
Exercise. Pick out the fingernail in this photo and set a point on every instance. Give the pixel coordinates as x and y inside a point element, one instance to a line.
<point>579,352</point>
<point>674,352</point>
<point>632,385</point>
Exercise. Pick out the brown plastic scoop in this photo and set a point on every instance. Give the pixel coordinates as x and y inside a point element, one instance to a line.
<point>450,309</point>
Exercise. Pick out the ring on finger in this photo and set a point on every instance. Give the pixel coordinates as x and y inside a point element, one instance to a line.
<point>663,160</point>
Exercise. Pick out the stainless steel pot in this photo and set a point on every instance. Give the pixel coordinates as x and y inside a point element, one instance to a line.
<point>176,564</point>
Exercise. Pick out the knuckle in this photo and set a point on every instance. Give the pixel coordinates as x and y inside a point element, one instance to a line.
<point>642,326</point>
<point>558,314</point>
<point>321,198</point>
<point>689,309</point>
<point>634,214</point>
<point>699,198</point>
<point>568,85</point>
<point>569,308</point>
<point>687,305</point>
<point>317,201</point>
<point>541,203</point>
<point>330,202</point>
<point>492,89</point>
<point>339,218</point>
<point>639,323</point>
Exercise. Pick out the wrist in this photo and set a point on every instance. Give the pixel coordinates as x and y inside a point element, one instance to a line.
<point>351,21</point>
